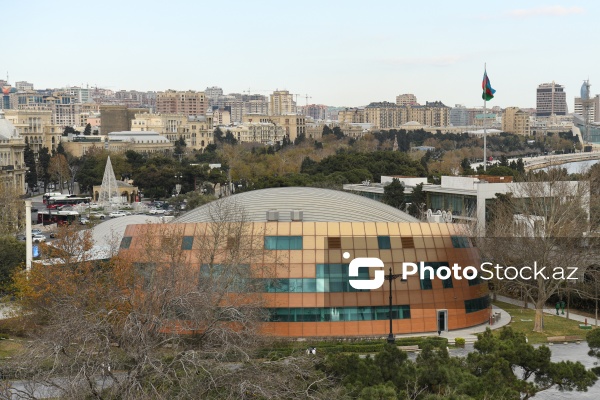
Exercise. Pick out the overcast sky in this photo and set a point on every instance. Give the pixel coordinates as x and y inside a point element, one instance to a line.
<point>341,53</point>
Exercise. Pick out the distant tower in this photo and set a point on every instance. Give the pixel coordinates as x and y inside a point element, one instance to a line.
<point>109,189</point>
<point>395,148</point>
<point>551,100</point>
<point>586,105</point>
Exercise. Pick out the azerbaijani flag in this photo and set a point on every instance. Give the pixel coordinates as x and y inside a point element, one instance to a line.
<point>488,92</point>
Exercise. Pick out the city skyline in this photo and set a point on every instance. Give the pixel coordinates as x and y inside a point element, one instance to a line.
<point>339,54</point>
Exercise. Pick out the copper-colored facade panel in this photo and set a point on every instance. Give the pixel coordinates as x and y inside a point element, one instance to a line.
<point>325,305</point>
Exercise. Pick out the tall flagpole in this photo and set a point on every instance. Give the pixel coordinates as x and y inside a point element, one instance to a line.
<point>484,127</point>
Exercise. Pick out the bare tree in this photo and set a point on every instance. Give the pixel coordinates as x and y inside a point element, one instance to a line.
<point>13,209</point>
<point>59,169</point>
<point>161,322</point>
<point>539,225</point>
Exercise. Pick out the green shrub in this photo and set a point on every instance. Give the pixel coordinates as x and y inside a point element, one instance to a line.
<point>435,341</point>
<point>460,342</point>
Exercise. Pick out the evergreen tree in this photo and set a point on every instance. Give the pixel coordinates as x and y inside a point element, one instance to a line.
<point>32,176</point>
<point>337,131</point>
<point>44,164</point>
<point>88,130</point>
<point>465,166</point>
<point>60,150</point>
<point>299,139</point>
<point>393,194</point>
<point>418,202</point>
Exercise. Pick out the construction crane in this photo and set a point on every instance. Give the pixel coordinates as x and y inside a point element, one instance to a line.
<point>307,97</point>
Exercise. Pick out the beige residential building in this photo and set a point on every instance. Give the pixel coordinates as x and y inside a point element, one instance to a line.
<point>353,130</point>
<point>221,116</point>
<point>197,132</point>
<point>177,102</point>
<point>433,113</point>
<point>281,103</point>
<point>385,115</point>
<point>515,120</point>
<point>119,142</point>
<point>12,161</point>
<point>164,124</point>
<point>36,128</point>
<point>257,132</point>
<point>406,100</point>
<point>352,116</point>
<point>293,125</point>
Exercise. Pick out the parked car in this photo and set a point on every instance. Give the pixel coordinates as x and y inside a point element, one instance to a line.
<point>97,215</point>
<point>36,232</point>
<point>84,221</point>
<point>21,236</point>
<point>116,214</point>
<point>39,238</point>
<point>154,211</point>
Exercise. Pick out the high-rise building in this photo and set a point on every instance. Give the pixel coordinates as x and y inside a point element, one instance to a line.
<point>351,116</point>
<point>176,102</point>
<point>588,105</point>
<point>23,86</point>
<point>515,120</point>
<point>212,93</point>
<point>406,100</point>
<point>282,102</point>
<point>255,104</point>
<point>459,115</point>
<point>318,112</point>
<point>551,100</point>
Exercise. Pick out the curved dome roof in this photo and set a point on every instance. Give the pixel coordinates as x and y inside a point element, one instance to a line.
<point>317,205</point>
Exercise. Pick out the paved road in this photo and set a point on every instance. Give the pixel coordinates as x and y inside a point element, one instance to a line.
<point>547,160</point>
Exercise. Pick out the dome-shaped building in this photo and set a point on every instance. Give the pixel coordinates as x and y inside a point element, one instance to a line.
<point>302,242</point>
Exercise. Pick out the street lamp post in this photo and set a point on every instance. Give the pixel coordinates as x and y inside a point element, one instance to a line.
<point>390,277</point>
<point>178,185</point>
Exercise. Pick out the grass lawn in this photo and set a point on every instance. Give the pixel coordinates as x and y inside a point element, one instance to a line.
<point>554,325</point>
<point>8,348</point>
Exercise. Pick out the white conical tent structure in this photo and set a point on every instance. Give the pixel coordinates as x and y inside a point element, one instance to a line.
<point>109,191</point>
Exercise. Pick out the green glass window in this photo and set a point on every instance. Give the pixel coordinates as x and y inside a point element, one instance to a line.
<point>283,242</point>
<point>478,304</point>
<point>384,242</point>
<point>126,242</point>
<point>334,314</point>
<point>460,242</point>
<point>187,242</point>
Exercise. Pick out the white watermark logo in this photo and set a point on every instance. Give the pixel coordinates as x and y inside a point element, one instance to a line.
<point>487,271</point>
<point>366,262</point>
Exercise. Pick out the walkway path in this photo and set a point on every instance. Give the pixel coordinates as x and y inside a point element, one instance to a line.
<point>469,334</point>
<point>573,316</point>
